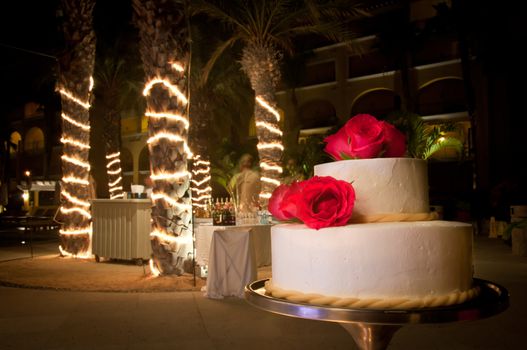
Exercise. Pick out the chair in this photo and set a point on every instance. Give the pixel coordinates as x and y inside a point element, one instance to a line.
<point>232,264</point>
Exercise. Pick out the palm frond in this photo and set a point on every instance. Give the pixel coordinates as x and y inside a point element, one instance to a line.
<point>214,57</point>
<point>441,144</point>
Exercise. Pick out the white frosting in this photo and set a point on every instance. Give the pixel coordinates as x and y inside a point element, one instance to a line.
<point>383,185</point>
<point>377,260</point>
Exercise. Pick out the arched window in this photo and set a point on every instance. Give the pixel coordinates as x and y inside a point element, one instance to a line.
<point>144,159</point>
<point>317,114</point>
<point>377,102</point>
<point>441,96</point>
<point>127,161</point>
<point>34,140</point>
<point>15,140</point>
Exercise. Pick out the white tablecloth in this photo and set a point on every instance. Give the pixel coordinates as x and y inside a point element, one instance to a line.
<point>232,263</point>
<point>260,235</point>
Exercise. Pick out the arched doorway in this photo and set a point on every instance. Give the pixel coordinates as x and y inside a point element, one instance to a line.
<point>441,96</point>
<point>16,141</point>
<point>34,141</point>
<point>144,165</point>
<point>127,166</point>
<point>378,102</point>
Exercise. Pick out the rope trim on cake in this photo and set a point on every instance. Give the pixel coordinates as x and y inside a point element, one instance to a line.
<point>362,219</point>
<point>372,303</point>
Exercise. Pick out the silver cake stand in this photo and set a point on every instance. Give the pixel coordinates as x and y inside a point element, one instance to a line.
<point>373,329</point>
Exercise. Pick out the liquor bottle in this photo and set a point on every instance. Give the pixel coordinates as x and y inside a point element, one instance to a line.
<point>232,213</point>
<point>216,213</point>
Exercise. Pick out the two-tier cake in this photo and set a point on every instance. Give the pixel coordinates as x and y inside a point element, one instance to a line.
<point>392,254</point>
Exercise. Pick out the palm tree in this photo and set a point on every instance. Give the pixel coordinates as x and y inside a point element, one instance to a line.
<point>164,51</point>
<point>74,85</point>
<point>223,100</point>
<point>266,29</point>
<point>116,89</point>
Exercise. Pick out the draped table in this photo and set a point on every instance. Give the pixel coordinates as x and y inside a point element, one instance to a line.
<point>232,254</point>
<point>260,234</point>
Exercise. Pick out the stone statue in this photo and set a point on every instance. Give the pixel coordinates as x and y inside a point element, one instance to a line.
<point>246,185</point>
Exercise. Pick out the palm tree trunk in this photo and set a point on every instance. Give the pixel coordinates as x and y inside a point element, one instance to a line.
<point>201,175</point>
<point>113,160</point>
<point>164,49</point>
<point>74,85</point>
<point>260,63</point>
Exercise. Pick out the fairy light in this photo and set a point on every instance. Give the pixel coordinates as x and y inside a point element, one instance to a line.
<point>153,269</point>
<point>114,175</point>
<point>178,67</point>
<point>113,155</point>
<point>199,183</point>
<point>201,191</point>
<point>172,202</point>
<point>203,197</point>
<point>270,145</point>
<point>80,211</point>
<point>114,172</point>
<point>269,127</point>
<point>169,116</point>
<point>76,232</point>
<point>76,161</point>
<point>112,162</point>
<point>74,187</point>
<point>65,253</point>
<point>170,238</point>
<point>75,180</point>
<point>165,135</point>
<point>268,107</point>
<point>269,180</point>
<point>65,93</point>
<point>161,176</point>
<point>178,124</point>
<point>116,182</point>
<point>74,199</point>
<point>276,168</point>
<point>201,171</point>
<point>73,142</point>
<point>172,88</point>
<point>72,121</point>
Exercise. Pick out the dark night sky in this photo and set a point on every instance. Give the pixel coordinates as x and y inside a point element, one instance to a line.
<point>33,25</point>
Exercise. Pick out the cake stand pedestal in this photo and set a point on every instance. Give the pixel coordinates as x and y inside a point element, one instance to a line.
<point>373,329</point>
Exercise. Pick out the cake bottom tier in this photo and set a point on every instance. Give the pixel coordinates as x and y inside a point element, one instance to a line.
<point>417,263</point>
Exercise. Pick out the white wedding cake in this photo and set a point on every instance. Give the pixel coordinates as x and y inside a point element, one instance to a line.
<point>391,255</point>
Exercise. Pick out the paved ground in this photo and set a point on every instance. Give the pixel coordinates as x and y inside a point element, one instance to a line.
<point>40,319</point>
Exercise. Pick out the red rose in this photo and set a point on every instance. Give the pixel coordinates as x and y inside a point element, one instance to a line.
<point>363,136</point>
<point>395,141</point>
<point>275,202</point>
<point>291,198</point>
<point>325,202</point>
<point>338,145</point>
<point>283,202</point>
<point>366,135</point>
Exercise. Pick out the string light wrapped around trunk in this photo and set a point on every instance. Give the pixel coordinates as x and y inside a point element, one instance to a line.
<point>164,49</point>
<point>114,172</point>
<point>201,190</point>
<point>75,84</point>
<point>260,63</point>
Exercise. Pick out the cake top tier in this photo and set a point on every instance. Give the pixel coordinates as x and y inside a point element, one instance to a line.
<point>383,185</point>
